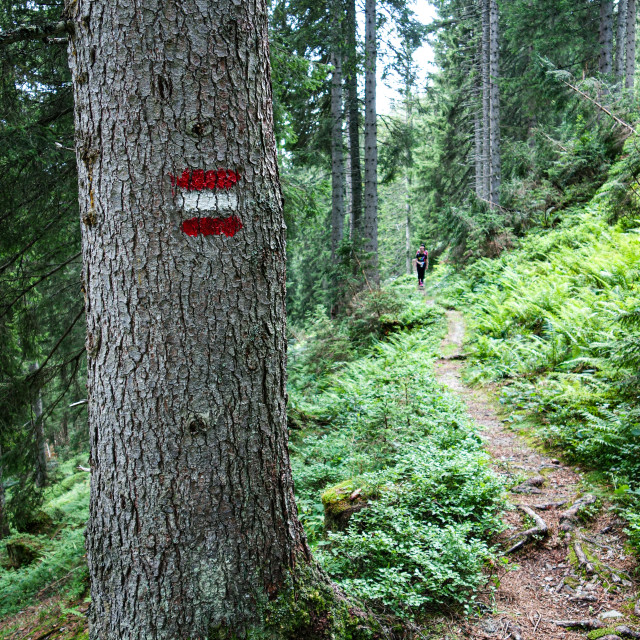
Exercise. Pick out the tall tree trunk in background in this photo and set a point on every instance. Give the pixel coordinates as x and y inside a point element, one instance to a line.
<point>37,425</point>
<point>337,157</point>
<point>486,99</point>
<point>494,59</point>
<point>353,107</point>
<point>606,36</point>
<point>407,225</point>
<point>192,523</point>
<point>370,226</point>
<point>620,41</point>
<point>478,131</point>
<point>347,174</point>
<point>631,44</point>
<point>4,525</point>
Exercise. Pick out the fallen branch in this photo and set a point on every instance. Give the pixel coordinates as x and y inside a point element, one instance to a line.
<point>583,561</point>
<point>602,108</point>
<point>36,32</point>
<point>540,530</point>
<point>568,517</point>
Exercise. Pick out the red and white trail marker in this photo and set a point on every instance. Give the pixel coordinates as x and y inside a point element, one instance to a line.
<point>208,192</point>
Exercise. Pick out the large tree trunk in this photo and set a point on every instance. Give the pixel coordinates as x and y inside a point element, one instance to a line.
<point>621,41</point>
<point>37,427</point>
<point>494,193</point>
<point>606,36</point>
<point>631,44</point>
<point>337,157</point>
<point>370,227</point>
<point>193,525</point>
<point>353,107</point>
<point>486,99</point>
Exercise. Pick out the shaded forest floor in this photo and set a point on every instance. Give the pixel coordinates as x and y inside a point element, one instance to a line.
<point>543,581</point>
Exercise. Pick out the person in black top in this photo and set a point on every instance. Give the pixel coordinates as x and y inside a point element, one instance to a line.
<point>422,264</point>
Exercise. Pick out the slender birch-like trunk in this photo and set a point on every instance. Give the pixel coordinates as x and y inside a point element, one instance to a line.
<point>193,526</point>
<point>37,426</point>
<point>606,36</point>
<point>494,73</point>
<point>621,41</point>
<point>370,226</point>
<point>631,45</point>
<point>337,157</point>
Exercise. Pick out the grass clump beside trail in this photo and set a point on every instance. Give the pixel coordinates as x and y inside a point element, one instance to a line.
<point>60,569</point>
<point>377,425</point>
<point>558,321</point>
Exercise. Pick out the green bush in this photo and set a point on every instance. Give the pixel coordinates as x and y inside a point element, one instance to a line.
<point>382,423</point>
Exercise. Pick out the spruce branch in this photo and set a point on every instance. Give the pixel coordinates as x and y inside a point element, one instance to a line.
<point>47,32</point>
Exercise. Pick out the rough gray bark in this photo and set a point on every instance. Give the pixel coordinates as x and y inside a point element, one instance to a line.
<point>4,526</point>
<point>192,520</point>
<point>494,73</point>
<point>606,36</point>
<point>631,45</point>
<point>337,158</point>
<point>37,426</point>
<point>353,107</point>
<point>486,98</point>
<point>347,175</point>
<point>370,223</point>
<point>477,139</point>
<point>621,41</point>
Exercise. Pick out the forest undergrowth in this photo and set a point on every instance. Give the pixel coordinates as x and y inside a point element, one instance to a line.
<point>395,493</point>
<point>382,442</point>
<point>556,322</point>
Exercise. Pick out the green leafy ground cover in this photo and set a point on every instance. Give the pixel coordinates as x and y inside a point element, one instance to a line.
<point>381,423</point>
<point>365,411</point>
<point>60,569</point>
<point>557,321</point>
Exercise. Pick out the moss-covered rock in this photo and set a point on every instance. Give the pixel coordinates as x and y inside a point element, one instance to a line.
<point>22,550</point>
<point>342,501</point>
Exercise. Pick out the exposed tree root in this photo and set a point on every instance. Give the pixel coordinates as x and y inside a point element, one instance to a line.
<point>549,505</point>
<point>583,561</point>
<point>568,518</point>
<point>540,530</point>
<point>588,623</point>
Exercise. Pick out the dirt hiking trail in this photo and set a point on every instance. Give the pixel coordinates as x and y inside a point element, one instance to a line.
<point>570,562</point>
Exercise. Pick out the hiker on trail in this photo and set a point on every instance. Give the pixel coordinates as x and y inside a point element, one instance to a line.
<point>422,264</point>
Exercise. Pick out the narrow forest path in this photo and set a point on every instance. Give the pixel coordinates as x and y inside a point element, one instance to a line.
<point>545,582</point>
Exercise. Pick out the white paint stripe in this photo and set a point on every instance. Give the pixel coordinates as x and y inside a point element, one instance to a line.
<point>218,201</point>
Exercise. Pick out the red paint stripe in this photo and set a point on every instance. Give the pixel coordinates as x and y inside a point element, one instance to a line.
<point>201,180</point>
<point>212,226</point>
